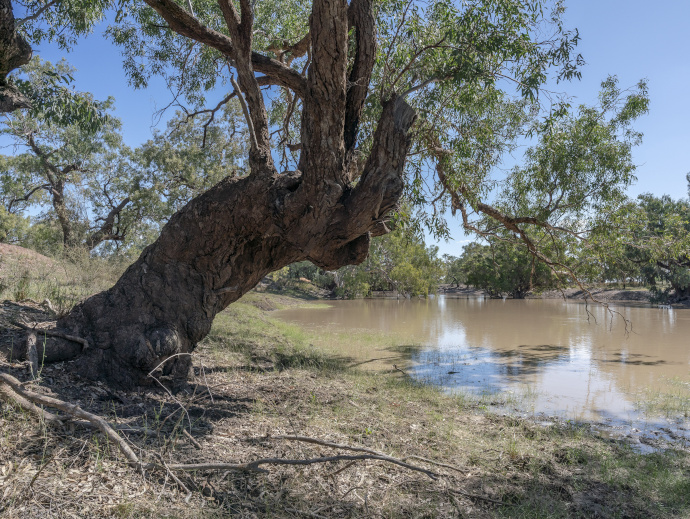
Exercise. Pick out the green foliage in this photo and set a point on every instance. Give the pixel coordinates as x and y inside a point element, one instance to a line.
<point>659,243</point>
<point>398,261</point>
<point>504,269</point>
<point>72,165</point>
<point>455,274</point>
<point>61,22</point>
<point>473,71</point>
<point>73,169</point>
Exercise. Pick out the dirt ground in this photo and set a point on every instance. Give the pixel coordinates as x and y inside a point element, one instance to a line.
<point>254,381</point>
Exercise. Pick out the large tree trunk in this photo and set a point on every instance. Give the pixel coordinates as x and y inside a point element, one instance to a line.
<point>219,247</point>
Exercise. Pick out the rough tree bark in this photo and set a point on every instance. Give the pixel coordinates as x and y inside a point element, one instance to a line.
<point>225,241</point>
<point>14,52</point>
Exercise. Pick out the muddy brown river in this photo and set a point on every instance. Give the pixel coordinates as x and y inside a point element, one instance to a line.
<point>547,354</point>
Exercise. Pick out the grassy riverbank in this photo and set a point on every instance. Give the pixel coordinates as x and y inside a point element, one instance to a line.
<point>257,378</point>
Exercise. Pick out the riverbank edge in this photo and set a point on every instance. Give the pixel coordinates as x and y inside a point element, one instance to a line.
<point>606,295</point>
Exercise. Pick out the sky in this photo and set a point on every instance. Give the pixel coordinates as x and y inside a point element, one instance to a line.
<point>632,39</point>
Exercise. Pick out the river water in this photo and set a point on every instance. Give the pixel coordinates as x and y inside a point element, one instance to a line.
<point>560,359</point>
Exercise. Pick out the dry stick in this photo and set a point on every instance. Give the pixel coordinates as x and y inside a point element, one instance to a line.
<point>245,110</point>
<point>6,393</point>
<point>32,353</point>
<point>75,411</point>
<point>84,343</point>
<point>191,438</point>
<point>177,480</point>
<point>324,443</point>
<point>476,496</point>
<point>166,389</point>
<point>44,465</point>
<point>335,473</point>
<point>253,466</point>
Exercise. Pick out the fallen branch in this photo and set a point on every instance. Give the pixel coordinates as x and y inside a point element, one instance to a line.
<point>74,411</point>
<point>254,466</point>
<point>476,496</point>
<point>9,395</point>
<point>191,439</point>
<point>14,390</point>
<point>54,333</point>
<point>325,443</point>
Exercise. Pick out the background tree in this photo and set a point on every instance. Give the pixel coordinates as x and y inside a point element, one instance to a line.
<point>73,163</point>
<point>399,261</point>
<point>505,269</point>
<point>659,243</point>
<point>454,272</point>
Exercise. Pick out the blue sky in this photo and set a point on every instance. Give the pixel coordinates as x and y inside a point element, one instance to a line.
<point>632,39</point>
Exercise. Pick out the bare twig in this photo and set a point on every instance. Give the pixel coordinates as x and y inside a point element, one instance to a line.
<point>245,110</point>
<point>54,333</point>
<point>166,389</point>
<point>191,439</point>
<point>476,496</point>
<point>437,463</point>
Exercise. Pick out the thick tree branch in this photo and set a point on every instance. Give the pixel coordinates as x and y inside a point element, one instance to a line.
<point>106,230</point>
<point>363,210</point>
<point>360,17</point>
<point>36,14</point>
<point>323,117</point>
<point>186,25</point>
<point>26,197</point>
<point>240,27</point>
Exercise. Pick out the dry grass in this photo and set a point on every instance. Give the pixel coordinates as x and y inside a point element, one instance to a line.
<point>255,378</point>
<point>26,275</point>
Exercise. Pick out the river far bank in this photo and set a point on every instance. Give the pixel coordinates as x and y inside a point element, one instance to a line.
<point>260,390</point>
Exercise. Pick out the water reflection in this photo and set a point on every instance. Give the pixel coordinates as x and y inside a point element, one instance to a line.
<point>576,361</point>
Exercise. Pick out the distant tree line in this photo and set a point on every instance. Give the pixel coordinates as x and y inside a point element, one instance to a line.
<point>647,243</point>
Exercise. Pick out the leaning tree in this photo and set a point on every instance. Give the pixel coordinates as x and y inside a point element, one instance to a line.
<point>348,107</point>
